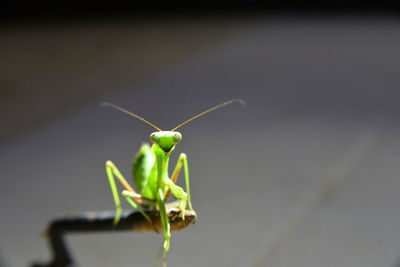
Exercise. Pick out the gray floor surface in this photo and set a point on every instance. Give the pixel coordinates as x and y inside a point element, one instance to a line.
<point>305,175</point>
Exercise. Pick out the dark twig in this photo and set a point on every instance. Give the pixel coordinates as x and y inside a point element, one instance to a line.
<point>103,221</point>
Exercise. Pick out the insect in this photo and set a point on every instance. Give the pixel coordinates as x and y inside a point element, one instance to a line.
<point>150,173</point>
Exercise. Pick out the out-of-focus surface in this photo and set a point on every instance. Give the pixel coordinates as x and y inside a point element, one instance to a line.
<point>305,175</point>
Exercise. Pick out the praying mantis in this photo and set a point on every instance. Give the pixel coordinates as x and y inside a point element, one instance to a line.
<point>150,174</point>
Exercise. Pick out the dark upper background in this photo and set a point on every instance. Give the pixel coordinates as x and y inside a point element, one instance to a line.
<point>13,17</point>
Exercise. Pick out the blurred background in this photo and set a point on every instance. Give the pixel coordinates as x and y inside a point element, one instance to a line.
<point>305,175</point>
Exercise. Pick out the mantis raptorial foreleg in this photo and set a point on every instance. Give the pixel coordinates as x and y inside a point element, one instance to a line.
<point>182,161</point>
<point>178,193</point>
<point>164,219</point>
<point>112,172</point>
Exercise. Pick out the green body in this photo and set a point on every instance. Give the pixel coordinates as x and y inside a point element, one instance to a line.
<point>152,180</point>
<point>150,173</point>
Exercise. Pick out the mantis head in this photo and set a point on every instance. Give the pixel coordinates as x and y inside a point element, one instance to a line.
<point>167,140</point>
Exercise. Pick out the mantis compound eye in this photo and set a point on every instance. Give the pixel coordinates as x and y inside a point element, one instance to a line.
<point>154,138</point>
<point>177,137</point>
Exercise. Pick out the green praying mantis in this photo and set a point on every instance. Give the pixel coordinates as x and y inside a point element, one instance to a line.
<point>150,174</point>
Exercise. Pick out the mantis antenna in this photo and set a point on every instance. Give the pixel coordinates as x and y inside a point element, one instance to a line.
<point>209,110</point>
<point>106,104</point>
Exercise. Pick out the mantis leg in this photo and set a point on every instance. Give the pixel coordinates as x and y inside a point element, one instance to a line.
<point>182,161</point>
<point>178,192</point>
<point>164,219</point>
<point>128,197</point>
<point>112,172</point>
